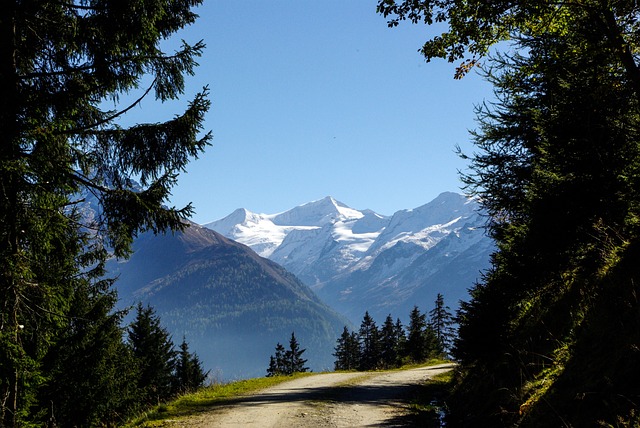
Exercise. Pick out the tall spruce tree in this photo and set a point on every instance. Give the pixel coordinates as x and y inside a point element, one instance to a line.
<point>347,351</point>
<point>64,68</point>
<point>421,341</point>
<point>389,344</point>
<point>294,362</point>
<point>557,170</point>
<point>441,322</point>
<point>154,355</point>
<point>369,343</point>
<point>189,373</point>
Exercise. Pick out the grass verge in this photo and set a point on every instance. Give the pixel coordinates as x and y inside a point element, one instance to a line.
<point>205,399</point>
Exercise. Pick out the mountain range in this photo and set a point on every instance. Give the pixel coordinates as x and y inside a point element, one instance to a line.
<point>237,286</point>
<point>358,260</point>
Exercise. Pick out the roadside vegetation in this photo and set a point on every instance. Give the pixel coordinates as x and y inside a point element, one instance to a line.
<point>551,335</point>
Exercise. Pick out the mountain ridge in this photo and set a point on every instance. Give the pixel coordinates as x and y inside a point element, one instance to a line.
<point>336,249</point>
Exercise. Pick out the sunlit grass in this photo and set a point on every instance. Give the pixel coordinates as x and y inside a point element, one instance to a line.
<point>206,398</point>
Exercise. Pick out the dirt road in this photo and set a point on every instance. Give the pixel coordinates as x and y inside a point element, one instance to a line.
<point>323,400</point>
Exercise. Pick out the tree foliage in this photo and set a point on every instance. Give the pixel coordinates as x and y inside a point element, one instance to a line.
<point>68,71</point>
<point>189,373</point>
<point>557,170</point>
<point>421,340</point>
<point>289,361</point>
<point>347,351</point>
<point>154,353</point>
<point>390,346</point>
<point>369,343</point>
<point>441,323</point>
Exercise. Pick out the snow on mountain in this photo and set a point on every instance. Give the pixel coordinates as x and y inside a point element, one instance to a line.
<point>357,260</point>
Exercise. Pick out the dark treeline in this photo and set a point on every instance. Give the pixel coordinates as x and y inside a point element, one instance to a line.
<point>392,344</point>
<point>114,376</point>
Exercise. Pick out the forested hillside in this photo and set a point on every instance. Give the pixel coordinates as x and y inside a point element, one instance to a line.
<point>551,335</point>
<point>231,304</point>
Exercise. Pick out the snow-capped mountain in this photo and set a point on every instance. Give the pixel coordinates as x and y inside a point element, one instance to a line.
<point>360,260</point>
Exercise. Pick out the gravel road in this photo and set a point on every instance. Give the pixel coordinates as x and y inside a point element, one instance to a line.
<point>323,400</point>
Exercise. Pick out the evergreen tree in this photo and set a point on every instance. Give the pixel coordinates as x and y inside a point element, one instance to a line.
<point>277,363</point>
<point>421,340</point>
<point>369,343</point>
<point>287,362</point>
<point>294,363</point>
<point>389,344</point>
<point>154,354</point>
<point>272,370</point>
<point>557,170</point>
<point>92,373</point>
<point>401,339</point>
<point>347,351</point>
<point>441,322</point>
<point>189,374</point>
<point>63,69</point>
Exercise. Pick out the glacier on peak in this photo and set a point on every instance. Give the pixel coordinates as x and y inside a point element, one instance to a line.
<point>359,260</point>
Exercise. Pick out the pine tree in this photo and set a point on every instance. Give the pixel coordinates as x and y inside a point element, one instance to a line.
<point>154,354</point>
<point>347,351</point>
<point>64,67</point>
<point>277,362</point>
<point>189,374</point>
<point>369,343</point>
<point>389,344</point>
<point>401,338</point>
<point>287,362</point>
<point>294,362</point>
<point>92,373</point>
<point>272,370</point>
<point>421,339</point>
<point>441,322</point>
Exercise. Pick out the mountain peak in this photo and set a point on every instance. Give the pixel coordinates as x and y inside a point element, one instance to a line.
<point>316,213</point>
<point>225,225</point>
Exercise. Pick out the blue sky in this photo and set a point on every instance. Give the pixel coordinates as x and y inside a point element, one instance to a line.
<point>311,99</point>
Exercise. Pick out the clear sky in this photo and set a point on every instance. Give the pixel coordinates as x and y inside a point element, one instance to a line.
<point>316,98</point>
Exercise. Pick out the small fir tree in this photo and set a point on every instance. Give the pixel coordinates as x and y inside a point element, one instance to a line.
<point>369,343</point>
<point>441,322</point>
<point>277,362</point>
<point>347,351</point>
<point>389,344</point>
<point>293,357</point>
<point>154,353</point>
<point>401,338</point>
<point>189,374</point>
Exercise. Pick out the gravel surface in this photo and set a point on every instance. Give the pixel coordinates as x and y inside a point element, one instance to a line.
<point>325,400</point>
